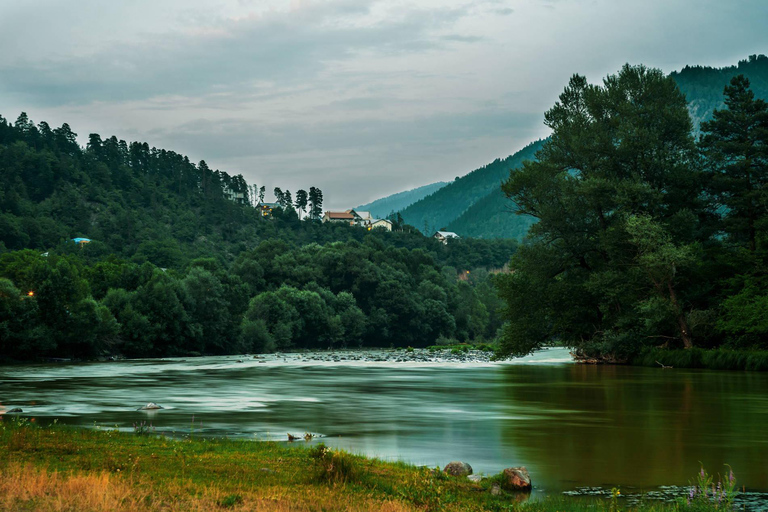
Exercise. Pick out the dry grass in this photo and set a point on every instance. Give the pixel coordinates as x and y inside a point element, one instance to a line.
<point>25,487</point>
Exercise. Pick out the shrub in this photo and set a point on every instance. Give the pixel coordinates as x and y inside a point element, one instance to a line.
<point>333,466</point>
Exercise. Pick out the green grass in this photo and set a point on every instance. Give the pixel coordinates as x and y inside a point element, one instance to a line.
<point>712,359</point>
<point>63,468</point>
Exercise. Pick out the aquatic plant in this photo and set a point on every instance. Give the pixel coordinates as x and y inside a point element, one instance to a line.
<point>142,428</point>
<point>707,491</point>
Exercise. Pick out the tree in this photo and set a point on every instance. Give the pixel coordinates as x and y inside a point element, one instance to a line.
<point>287,201</point>
<point>618,150</point>
<point>315,203</point>
<point>279,197</point>
<point>301,201</point>
<point>735,142</point>
<point>262,192</point>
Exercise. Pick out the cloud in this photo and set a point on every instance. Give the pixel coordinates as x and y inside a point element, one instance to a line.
<point>244,54</point>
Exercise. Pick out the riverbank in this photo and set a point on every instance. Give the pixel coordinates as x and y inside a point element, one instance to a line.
<point>62,468</point>
<point>709,359</point>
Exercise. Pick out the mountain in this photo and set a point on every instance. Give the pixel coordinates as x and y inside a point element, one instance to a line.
<point>381,208</point>
<point>474,205</point>
<point>703,86</point>
<point>444,206</point>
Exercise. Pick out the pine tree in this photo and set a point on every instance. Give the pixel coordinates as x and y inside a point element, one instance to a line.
<point>301,201</point>
<point>735,143</point>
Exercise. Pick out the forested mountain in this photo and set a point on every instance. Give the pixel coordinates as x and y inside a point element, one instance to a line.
<point>474,205</point>
<point>181,262</point>
<point>492,217</point>
<point>703,85</point>
<point>382,208</point>
<point>439,209</point>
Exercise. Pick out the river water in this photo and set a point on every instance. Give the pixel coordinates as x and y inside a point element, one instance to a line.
<point>572,425</point>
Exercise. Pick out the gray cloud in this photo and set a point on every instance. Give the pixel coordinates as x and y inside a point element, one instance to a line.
<point>359,97</point>
<point>232,55</point>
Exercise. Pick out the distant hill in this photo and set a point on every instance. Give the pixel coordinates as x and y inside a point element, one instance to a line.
<point>474,206</point>
<point>443,207</point>
<point>492,217</point>
<point>381,208</point>
<point>703,86</point>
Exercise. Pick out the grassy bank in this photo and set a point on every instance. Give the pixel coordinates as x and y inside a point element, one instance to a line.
<point>712,359</point>
<point>65,469</point>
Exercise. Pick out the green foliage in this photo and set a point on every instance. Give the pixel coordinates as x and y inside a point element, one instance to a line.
<point>441,208</point>
<point>334,466</point>
<point>613,190</point>
<point>713,359</point>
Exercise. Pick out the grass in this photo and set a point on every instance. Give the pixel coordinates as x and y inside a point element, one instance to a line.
<point>57,468</point>
<point>712,359</point>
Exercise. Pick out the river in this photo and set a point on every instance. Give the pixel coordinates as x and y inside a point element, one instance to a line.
<point>572,425</point>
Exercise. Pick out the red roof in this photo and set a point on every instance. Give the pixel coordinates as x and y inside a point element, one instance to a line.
<point>340,215</point>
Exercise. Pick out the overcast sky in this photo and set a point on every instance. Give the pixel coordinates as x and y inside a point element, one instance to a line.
<point>361,98</point>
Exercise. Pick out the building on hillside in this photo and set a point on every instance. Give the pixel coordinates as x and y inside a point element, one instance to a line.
<point>349,217</point>
<point>444,236</point>
<point>233,195</point>
<point>363,217</point>
<point>266,208</point>
<point>379,223</point>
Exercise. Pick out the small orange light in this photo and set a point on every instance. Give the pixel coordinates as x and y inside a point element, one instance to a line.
<point>31,293</point>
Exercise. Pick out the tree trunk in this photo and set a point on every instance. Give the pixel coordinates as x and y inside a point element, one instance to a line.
<point>682,323</point>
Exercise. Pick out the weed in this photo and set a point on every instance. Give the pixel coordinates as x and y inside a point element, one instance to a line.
<point>333,466</point>
<point>230,501</point>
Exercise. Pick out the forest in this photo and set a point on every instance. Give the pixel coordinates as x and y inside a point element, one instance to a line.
<point>646,235</point>
<point>175,267</point>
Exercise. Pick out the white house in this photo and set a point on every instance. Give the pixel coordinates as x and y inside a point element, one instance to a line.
<point>443,236</point>
<point>379,223</point>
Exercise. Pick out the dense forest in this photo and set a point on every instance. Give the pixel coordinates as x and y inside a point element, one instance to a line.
<point>180,261</point>
<point>703,85</point>
<point>645,236</point>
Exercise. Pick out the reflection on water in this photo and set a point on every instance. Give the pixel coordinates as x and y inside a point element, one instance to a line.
<point>572,425</point>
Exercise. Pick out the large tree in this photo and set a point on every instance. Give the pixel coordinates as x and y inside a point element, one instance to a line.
<point>618,150</point>
<point>735,142</point>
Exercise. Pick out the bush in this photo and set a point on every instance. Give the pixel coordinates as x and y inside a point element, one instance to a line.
<point>714,359</point>
<point>333,466</point>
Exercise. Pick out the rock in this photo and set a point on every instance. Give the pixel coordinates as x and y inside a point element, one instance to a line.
<point>475,478</point>
<point>151,406</point>
<point>495,489</point>
<point>457,468</point>
<point>14,411</point>
<point>516,479</point>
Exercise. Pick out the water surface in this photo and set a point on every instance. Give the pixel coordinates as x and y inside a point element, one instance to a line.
<point>571,425</point>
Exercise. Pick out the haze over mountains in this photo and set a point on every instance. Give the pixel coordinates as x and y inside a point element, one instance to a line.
<point>474,206</point>
<point>381,208</point>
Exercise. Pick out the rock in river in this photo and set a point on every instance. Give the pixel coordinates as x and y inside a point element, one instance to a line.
<point>457,468</point>
<point>14,411</point>
<point>151,406</point>
<point>516,479</point>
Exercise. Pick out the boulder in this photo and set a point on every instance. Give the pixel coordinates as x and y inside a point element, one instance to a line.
<point>475,478</point>
<point>457,468</point>
<point>495,490</point>
<point>14,411</point>
<point>516,479</point>
<point>151,406</point>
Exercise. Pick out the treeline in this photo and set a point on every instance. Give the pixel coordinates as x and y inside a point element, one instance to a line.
<point>144,204</point>
<point>180,261</point>
<point>277,296</point>
<point>646,237</point>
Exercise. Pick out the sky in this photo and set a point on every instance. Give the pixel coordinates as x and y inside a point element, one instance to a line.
<point>361,98</point>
